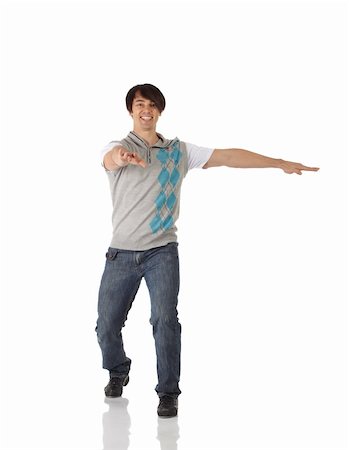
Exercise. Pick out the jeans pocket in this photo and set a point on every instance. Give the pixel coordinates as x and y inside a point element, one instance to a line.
<point>111,254</point>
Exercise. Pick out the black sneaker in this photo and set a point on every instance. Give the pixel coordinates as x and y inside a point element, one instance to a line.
<point>115,385</point>
<point>168,406</point>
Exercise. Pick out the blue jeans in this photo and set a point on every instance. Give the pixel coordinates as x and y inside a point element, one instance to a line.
<point>124,270</point>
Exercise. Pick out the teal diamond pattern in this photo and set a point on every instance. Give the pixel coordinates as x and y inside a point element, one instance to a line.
<point>168,179</point>
<point>174,177</point>
<point>155,224</point>
<point>160,200</point>
<point>176,155</point>
<point>171,201</point>
<point>163,177</point>
<point>163,156</point>
<point>168,222</point>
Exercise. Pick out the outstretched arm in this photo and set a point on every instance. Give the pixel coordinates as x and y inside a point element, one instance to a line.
<point>239,158</point>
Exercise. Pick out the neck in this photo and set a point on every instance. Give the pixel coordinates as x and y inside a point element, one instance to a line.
<point>149,136</point>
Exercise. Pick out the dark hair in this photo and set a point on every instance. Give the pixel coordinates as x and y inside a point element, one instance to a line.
<point>148,91</point>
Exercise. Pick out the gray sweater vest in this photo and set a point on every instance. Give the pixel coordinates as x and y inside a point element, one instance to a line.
<point>146,201</point>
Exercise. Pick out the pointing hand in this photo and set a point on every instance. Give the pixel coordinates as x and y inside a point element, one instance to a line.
<point>122,157</point>
<point>292,167</point>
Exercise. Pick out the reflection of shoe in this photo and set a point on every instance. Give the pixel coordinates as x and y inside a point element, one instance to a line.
<point>115,385</point>
<point>168,406</point>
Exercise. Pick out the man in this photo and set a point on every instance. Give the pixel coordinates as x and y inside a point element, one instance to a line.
<point>145,172</point>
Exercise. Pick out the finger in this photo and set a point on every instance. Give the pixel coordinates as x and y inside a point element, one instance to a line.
<point>124,155</point>
<point>130,157</point>
<point>312,169</point>
<point>142,163</point>
<point>139,162</point>
<point>293,170</point>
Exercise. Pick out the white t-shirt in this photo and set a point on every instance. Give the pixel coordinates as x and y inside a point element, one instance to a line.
<point>197,156</point>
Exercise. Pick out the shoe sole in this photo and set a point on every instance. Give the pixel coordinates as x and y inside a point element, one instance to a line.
<point>163,416</point>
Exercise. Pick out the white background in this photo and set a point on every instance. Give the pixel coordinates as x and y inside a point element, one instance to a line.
<point>263,254</point>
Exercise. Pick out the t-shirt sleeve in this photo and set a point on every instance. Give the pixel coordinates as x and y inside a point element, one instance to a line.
<point>197,156</point>
<point>107,149</point>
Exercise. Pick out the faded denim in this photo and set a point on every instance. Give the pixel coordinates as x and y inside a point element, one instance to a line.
<point>124,270</point>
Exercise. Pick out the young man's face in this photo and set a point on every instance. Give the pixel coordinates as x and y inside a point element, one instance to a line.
<point>144,113</point>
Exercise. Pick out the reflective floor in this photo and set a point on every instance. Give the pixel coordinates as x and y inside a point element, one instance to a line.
<point>49,413</point>
<point>117,427</point>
